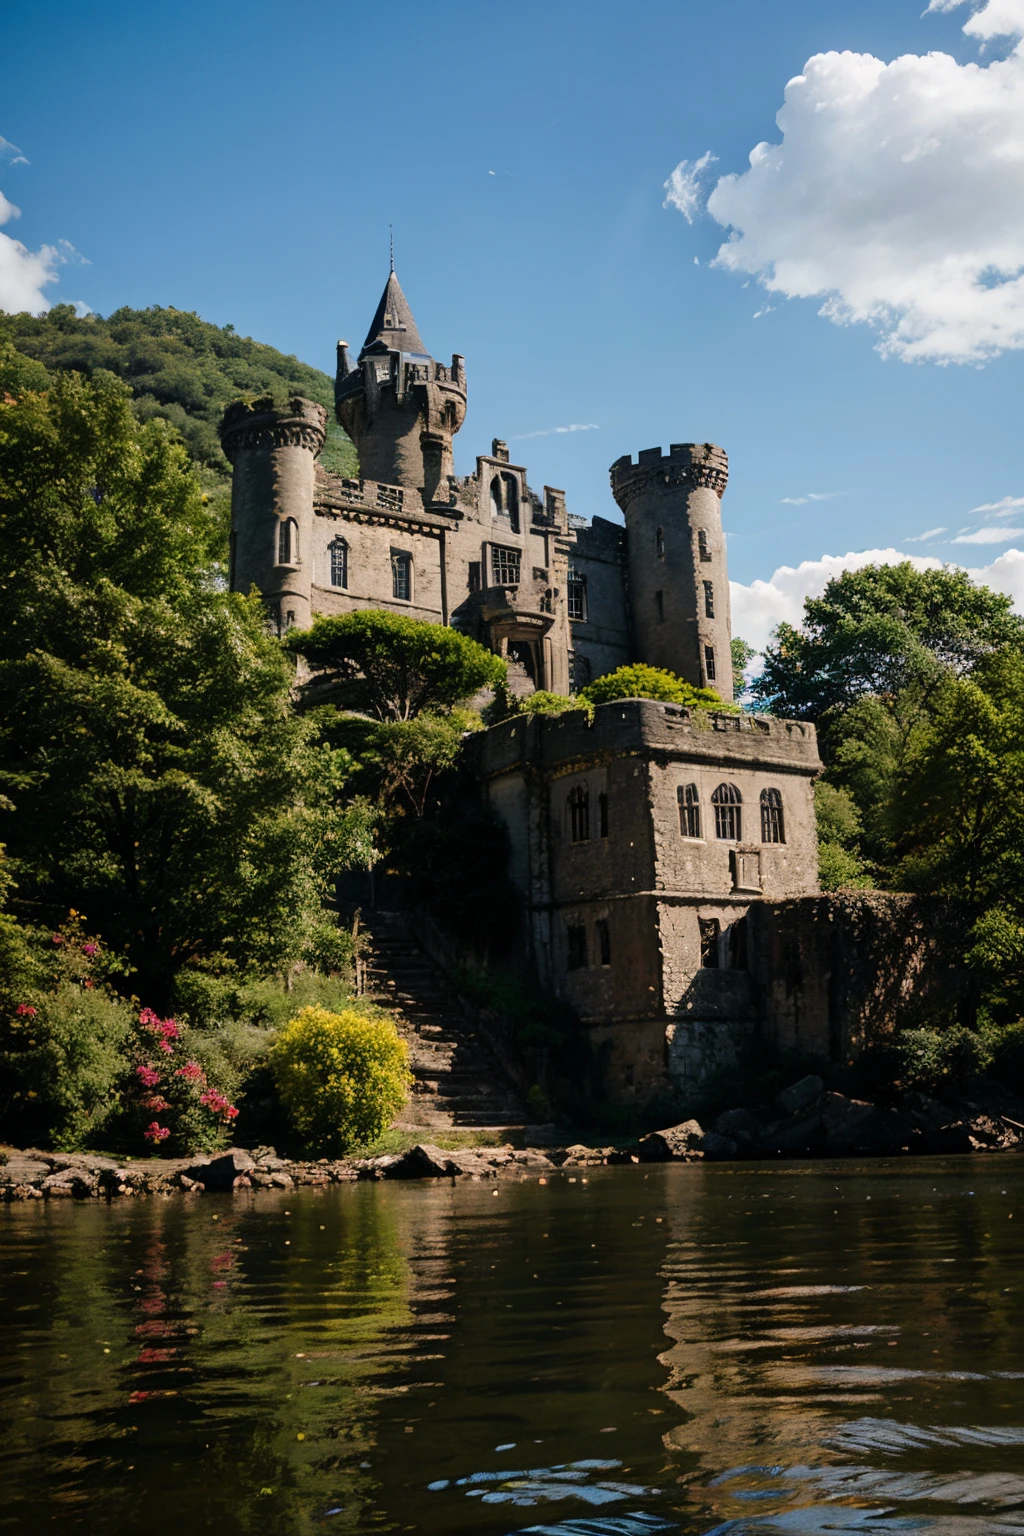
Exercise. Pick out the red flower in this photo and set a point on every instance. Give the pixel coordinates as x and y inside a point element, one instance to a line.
<point>166,1047</point>
<point>25,1011</point>
<point>58,938</point>
<point>149,1076</point>
<point>156,1104</point>
<point>87,982</point>
<point>90,950</point>
<point>156,1133</point>
<point>217,1104</point>
<point>192,1072</point>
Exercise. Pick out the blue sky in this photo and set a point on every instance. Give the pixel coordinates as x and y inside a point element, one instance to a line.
<point>245,161</point>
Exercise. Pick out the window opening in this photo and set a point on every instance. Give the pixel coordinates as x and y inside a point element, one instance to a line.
<point>709,932</point>
<point>511,500</point>
<point>496,506</point>
<point>578,805</point>
<point>689,810</point>
<point>738,945</point>
<point>338,549</point>
<point>773,827</point>
<point>401,576</point>
<point>709,662</point>
<point>604,941</point>
<point>728,813</point>
<point>576,594</point>
<point>288,542</point>
<point>709,599</point>
<point>474,576</point>
<point>576,935</point>
<point>602,815</point>
<point>580,671</point>
<point>659,543</point>
<point>504,566</point>
<point>702,544</point>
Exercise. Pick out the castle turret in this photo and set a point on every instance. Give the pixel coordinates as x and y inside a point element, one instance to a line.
<point>678,579</point>
<point>273,449</point>
<point>399,406</point>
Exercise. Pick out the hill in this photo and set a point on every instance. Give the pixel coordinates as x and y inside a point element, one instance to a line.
<point>181,368</point>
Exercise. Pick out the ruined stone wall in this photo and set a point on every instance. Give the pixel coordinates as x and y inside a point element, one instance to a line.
<point>837,973</point>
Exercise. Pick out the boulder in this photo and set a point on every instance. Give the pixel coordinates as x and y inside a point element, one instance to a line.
<point>219,1173</point>
<point>739,1124</point>
<point>719,1148</point>
<point>20,1169</point>
<point>422,1162</point>
<point>799,1098</point>
<point>791,1138</point>
<point>857,1126</point>
<point>678,1143</point>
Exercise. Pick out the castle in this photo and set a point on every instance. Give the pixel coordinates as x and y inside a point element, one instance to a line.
<point>660,852</point>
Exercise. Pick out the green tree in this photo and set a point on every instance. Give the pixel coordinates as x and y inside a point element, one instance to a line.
<point>839,864</point>
<point>880,631</point>
<point>395,666</point>
<point>342,1077</point>
<point>639,681</point>
<point>742,655</point>
<point>158,776</point>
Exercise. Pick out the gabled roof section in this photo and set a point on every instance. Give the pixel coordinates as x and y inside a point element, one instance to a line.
<point>393,323</point>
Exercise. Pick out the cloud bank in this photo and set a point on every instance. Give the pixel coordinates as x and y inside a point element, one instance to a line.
<point>759,607</point>
<point>24,273</point>
<point>896,196</point>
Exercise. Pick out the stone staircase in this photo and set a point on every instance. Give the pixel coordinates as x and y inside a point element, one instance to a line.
<point>458,1081</point>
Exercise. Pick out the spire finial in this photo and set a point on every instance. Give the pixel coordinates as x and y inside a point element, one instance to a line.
<point>391,227</point>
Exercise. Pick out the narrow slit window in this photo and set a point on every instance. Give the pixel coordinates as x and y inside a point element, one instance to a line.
<point>689,810</point>
<point>474,576</point>
<point>602,815</point>
<point>288,542</point>
<point>401,576</point>
<point>576,944</point>
<point>659,543</point>
<point>728,805</point>
<point>710,930</point>
<point>773,825</point>
<point>659,603</point>
<point>338,550</point>
<point>578,808</point>
<point>709,599</point>
<point>709,662</point>
<point>604,941</point>
<point>702,544</point>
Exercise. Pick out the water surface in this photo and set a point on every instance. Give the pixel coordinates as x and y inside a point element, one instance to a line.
<point>752,1349</point>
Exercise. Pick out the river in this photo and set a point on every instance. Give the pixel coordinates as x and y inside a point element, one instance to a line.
<point>753,1349</point>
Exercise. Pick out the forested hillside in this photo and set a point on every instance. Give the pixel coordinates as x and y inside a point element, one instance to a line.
<point>178,367</point>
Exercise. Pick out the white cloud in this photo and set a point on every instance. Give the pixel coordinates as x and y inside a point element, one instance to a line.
<point>988,536</point>
<point>996,18</point>
<point>24,273</point>
<point>576,426</point>
<point>10,154</point>
<point>759,607</point>
<point>685,186</point>
<point>896,196</point>
<point>923,538</point>
<point>801,501</point>
<point>1008,507</point>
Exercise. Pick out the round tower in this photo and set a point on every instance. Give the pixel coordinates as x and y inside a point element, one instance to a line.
<point>678,579</point>
<point>273,449</point>
<point>399,406</point>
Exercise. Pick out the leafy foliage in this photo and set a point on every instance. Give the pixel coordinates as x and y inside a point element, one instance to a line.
<point>639,681</point>
<point>179,368</point>
<point>167,1099</point>
<point>342,1077</point>
<point>148,747</point>
<point>742,655</point>
<point>839,826</point>
<point>398,667</point>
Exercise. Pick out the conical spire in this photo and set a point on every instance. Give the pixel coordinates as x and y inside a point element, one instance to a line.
<point>393,323</point>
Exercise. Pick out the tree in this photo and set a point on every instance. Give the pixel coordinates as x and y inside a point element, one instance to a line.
<point>839,825</point>
<point>342,1076</point>
<point>158,776</point>
<point>396,666</point>
<point>880,631</point>
<point>639,681</point>
<point>742,655</point>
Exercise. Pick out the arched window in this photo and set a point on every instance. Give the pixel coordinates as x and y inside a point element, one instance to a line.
<point>576,594</point>
<point>496,506</point>
<point>689,810</point>
<point>288,542</point>
<point>401,575</point>
<point>728,803</point>
<point>702,544</point>
<point>338,551</point>
<point>511,499</point>
<point>773,826</point>
<point>578,812</point>
<point>659,543</point>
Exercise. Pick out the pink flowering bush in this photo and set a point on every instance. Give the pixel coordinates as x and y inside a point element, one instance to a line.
<point>191,1114</point>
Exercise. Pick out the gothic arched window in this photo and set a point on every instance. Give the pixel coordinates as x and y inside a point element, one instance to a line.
<point>702,544</point>
<point>288,542</point>
<point>338,551</point>
<point>728,802</point>
<point>578,814</point>
<point>773,826</point>
<point>496,503</point>
<point>688,797</point>
<point>510,498</point>
<point>401,576</point>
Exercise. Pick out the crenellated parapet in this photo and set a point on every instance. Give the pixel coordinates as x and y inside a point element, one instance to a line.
<point>265,425</point>
<point>686,465</point>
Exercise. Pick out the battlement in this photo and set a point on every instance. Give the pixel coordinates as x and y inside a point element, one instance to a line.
<point>685,464</point>
<point>267,424</point>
